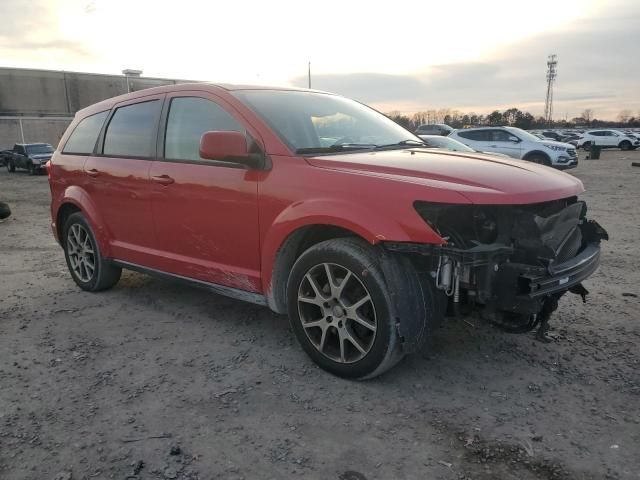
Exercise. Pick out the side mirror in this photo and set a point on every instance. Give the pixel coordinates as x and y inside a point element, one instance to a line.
<point>227,146</point>
<point>514,139</point>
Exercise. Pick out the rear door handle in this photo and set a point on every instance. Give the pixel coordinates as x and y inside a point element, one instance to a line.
<point>163,179</point>
<point>494,146</point>
<point>93,172</point>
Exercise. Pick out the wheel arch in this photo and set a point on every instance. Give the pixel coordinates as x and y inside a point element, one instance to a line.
<point>296,243</point>
<point>533,153</point>
<point>75,199</point>
<point>302,225</point>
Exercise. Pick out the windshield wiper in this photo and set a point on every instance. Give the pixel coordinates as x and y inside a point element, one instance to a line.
<point>404,143</point>
<point>343,147</point>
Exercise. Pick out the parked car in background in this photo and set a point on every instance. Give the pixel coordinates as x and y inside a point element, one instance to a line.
<point>448,143</point>
<point>365,243</point>
<point>4,156</point>
<point>517,143</point>
<point>434,129</point>
<point>30,156</point>
<point>550,134</point>
<point>608,139</point>
<point>572,139</point>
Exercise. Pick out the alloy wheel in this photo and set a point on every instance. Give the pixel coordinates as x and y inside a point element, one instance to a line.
<point>337,313</point>
<point>82,256</point>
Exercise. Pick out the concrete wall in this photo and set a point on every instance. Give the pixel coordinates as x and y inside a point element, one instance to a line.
<point>46,93</point>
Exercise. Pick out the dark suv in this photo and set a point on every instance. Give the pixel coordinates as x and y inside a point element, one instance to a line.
<point>320,207</point>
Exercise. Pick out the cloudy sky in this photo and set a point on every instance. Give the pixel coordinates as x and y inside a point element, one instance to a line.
<point>395,55</point>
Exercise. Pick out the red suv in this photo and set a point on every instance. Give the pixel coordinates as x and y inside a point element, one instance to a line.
<point>320,207</point>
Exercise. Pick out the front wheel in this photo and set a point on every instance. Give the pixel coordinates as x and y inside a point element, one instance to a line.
<point>539,159</point>
<point>88,268</point>
<point>10,167</point>
<point>32,169</point>
<point>340,309</point>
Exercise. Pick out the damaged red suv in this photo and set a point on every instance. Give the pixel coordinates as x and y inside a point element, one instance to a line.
<point>320,207</point>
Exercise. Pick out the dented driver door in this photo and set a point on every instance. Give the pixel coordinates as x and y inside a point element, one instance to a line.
<point>205,212</point>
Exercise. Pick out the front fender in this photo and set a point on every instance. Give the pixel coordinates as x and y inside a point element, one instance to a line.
<point>78,197</point>
<point>365,222</point>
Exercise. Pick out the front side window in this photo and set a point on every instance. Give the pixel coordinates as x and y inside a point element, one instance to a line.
<point>189,118</point>
<point>84,136</point>
<point>311,122</point>
<point>132,130</point>
<point>500,136</point>
<point>475,135</point>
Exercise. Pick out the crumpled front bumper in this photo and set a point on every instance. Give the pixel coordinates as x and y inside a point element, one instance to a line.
<point>501,284</point>
<point>519,288</point>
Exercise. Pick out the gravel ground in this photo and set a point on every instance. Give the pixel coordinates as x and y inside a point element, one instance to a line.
<point>156,380</point>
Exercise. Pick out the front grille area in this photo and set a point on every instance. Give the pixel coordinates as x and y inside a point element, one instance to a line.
<point>572,152</point>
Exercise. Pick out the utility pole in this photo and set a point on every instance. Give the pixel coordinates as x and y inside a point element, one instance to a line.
<point>552,65</point>
<point>128,73</point>
<point>309,74</point>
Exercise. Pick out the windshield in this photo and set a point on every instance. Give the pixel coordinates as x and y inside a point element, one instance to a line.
<point>446,142</point>
<point>522,135</point>
<point>311,122</point>
<point>36,149</point>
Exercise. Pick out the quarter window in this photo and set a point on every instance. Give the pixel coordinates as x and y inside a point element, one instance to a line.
<point>132,131</point>
<point>189,118</point>
<point>84,136</point>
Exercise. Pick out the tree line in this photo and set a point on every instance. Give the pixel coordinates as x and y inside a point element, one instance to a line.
<point>513,117</point>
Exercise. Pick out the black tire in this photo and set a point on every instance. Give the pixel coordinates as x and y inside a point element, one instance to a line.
<point>625,145</point>
<point>586,146</point>
<point>32,169</point>
<point>362,261</point>
<point>539,159</point>
<point>105,275</point>
<point>10,166</point>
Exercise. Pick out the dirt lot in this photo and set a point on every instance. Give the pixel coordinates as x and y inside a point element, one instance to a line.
<point>156,380</point>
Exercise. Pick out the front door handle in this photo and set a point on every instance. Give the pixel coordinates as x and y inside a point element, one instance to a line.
<point>163,179</point>
<point>494,146</point>
<point>93,172</point>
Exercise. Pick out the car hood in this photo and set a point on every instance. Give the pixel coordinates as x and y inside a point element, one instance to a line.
<point>480,178</point>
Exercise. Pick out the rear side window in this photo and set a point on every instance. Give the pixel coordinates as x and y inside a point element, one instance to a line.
<point>84,136</point>
<point>132,131</point>
<point>189,118</point>
<point>477,135</point>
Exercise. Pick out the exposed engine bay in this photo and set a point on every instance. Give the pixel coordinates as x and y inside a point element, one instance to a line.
<point>511,263</point>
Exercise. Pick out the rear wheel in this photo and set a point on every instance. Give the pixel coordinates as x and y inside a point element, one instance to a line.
<point>88,268</point>
<point>340,310</point>
<point>586,146</point>
<point>625,145</point>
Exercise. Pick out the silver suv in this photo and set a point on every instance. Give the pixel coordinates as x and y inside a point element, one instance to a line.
<point>519,144</point>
